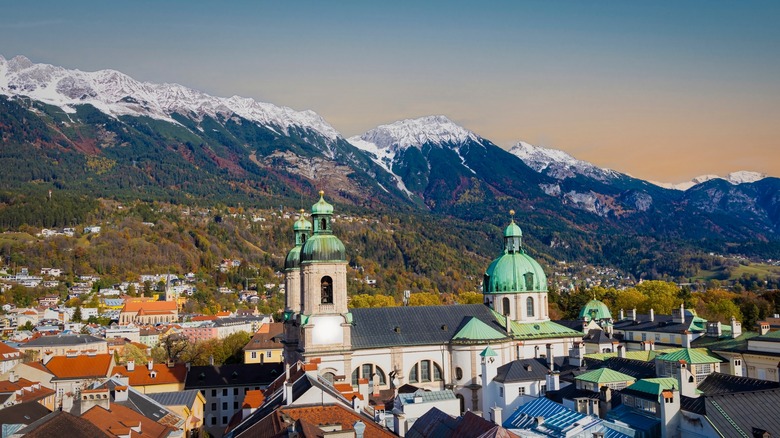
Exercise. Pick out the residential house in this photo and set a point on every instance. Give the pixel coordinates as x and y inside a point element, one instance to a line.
<point>152,378</point>
<point>9,357</point>
<point>266,344</point>
<point>61,345</point>
<point>189,405</point>
<point>74,373</point>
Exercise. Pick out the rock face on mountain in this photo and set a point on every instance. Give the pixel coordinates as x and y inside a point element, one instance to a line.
<point>109,135</point>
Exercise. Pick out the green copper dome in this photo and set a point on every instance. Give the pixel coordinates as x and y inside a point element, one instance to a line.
<point>302,224</point>
<point>323,248</point>
<point>321,207</point>
<point>293,259</point>
<point>595,310</point>
<point>514,271</point>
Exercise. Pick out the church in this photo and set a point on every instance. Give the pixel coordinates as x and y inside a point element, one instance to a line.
<point>431,347</point>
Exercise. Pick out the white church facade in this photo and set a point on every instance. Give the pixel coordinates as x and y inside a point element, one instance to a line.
<point>431,347</point>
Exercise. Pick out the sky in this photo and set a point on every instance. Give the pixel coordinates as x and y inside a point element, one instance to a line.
<point>661,90</point>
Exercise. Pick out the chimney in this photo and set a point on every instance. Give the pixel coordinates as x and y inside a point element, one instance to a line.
<point>652,314</point>
<point>678,316</point>
<point>150,365</point>
<point>550,358</point>
<point>399,424</point>
<point>576,354</point>
<point>120,393</point>
<point>497,415</point>
<point>553,381</point>
<point>288,393</point>
<point>508,325</point>
<point>632,314</point>
<point>363,388</point>
<point>620,352</point>
<point>622,315</point>
<point>714,329</point>
<point>736,328</point>
<point>130,365</point>
<point>763,328</point>
<point>13,378</point>
<point>359,428</point>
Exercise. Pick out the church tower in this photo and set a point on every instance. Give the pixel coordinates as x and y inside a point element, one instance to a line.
<point>515,284</point>
<point>323,319</point>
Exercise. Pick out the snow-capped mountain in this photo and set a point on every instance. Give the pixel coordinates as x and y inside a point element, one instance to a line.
<point>388,144</point>
<point>558,164</point>
<point>735,178</point>
<point>116,94</point>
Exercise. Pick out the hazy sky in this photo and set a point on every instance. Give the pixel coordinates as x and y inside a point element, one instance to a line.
<point>663,90</point>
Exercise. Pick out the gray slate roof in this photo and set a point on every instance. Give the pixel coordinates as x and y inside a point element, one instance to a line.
<point>745,413</point>
<point>63,341</point>
<point>175,398</point>
<point>210,376</point>
<point>523,370</point>
<point>423,325</point>
<point>719,383</point>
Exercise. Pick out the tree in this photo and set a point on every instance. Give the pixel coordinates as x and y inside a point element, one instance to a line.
<point>627,300</point>
<point>365,300</point>
<point>470,298</point>
<point>77,314</point>
<point>424,299</point>
<point>131,352</point>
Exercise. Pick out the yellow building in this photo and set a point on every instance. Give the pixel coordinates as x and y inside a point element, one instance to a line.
<point>152,378</point>
<point>188,404</point>
<point>266,345</point>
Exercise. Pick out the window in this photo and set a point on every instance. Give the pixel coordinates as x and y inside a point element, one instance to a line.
<point>254,355</point>
<point>213,421</point>
<point>268,353</point>
<point>367,371</point>
<point>421,372</point>
<point>213,392</point>
<point>326,285</point>
<point>501,391</point>
<point>542,390</point>
<point>458,373</point>
<point>529,306</point>
<point>657,338</point>
<point>235,391</point>
<point>529,281</point>
<point>213,406</point>
<point>224,392</point>
<point>702,371</point>
<point>235,405</point>
<point>224,419</point>
<point>737,362</point>
<point>224,406</point>
<point>521,390</point>
<point>323,224</point>
<point>644,336</point>
<point>505,306</point>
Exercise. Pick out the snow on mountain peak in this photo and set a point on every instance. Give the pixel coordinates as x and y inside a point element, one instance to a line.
<point>735,178</point>
<point>407,133</point>
<point>556,163</point>
<point>116,94</point>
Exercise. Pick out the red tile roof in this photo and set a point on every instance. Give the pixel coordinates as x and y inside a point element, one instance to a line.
<point>253,399</point>
<point>135,305</point>
<point>268,337</point>
<point>119,419</point>
<point>141,376</point>
<point>82,366</point>
<point>9,353</point>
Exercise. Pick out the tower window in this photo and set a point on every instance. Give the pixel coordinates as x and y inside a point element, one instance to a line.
<point>505,306</point>
<point>529,306</point>
<point>303,238</point>
<point>323,224</point>
<point>327,290</point>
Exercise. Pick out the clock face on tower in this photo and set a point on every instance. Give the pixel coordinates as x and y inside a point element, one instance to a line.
<point>327,330</point>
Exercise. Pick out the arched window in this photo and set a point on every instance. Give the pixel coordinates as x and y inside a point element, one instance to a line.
<point>367,371</point>
<point>529,306</point>
<point>505,306</point>
<point>303,238</point>
<point>462,402</point>
<point>323,224</point>
<point>425,371</point>
<point>529,280</point>
<point>326,285</point>
<point>330,377</point>
<point>458,373</point>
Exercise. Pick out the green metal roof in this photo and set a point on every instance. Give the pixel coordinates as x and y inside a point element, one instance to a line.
<point>537,330</point>
<point>293,259</point>
<point>302,224</point>
<point>645,356</point>
<point>691,356</point>
<point>488,352</point>
<point>513,230</point>
<point>476,330</point>
<point>513,273</point>
<point>321,207</point>
<point>595,310</point>
<point>654,386</point>
<point>323,248</point>
<point>604,375</point>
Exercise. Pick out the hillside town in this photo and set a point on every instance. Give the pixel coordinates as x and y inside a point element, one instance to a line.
<point>501,367</point>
